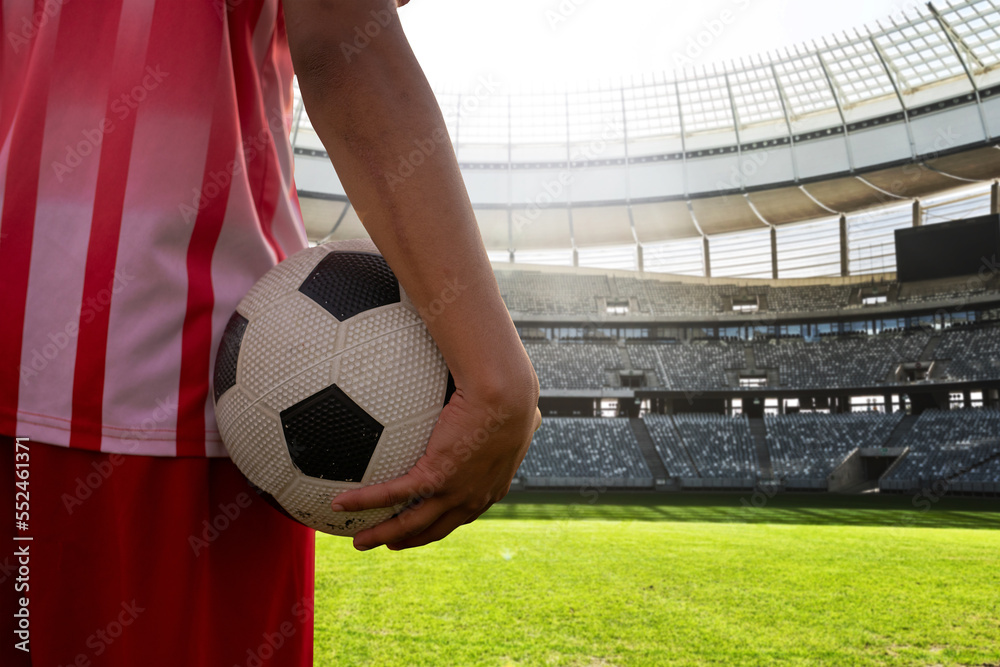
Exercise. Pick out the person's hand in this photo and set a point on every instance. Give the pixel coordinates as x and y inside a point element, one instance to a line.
<point>473,453</point>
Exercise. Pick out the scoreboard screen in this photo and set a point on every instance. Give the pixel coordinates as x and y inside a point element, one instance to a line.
<point>949,249</point>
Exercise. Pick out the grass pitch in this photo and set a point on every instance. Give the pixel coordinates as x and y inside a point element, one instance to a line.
<point>644,579</point>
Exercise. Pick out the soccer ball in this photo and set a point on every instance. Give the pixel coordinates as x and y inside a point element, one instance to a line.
<point>326,379</point>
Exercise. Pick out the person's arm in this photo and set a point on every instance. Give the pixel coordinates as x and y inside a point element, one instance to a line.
<point>372,108</point>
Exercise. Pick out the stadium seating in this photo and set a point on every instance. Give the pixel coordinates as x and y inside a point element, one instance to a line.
<point>986,472</point>
<point>573,365</point>
<point>847,361</point>
<point>705,446</point>
<point>689,367</point>
<point>537,293</point>
<point>670,446</point>
<point>720,446</point>
<point>809,298</point>
<point>584,448</point>
<point>857,360</point>
<point>974,353</point>
<point>552,294</point>
<point>710,450</point>
<point>810,446</point>
<point>679,300</point>
<point>944,444</point>
<point>951,289</point>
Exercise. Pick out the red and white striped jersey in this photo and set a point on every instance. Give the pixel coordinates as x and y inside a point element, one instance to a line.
<point>145,185</point>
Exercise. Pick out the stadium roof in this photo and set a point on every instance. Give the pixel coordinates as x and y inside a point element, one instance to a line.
<point>834,127</point>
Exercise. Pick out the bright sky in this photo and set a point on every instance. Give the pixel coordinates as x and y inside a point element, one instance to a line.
<point>543,44</point>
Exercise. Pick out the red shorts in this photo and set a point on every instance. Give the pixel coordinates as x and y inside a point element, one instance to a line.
<point>144,561</point>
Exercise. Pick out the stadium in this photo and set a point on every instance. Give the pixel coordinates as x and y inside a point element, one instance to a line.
<point>704,270</point>
<point>763,302</point>
<point>750,249</point>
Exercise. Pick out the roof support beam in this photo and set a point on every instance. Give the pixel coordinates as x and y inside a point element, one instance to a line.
<point>628,183</point>
<point>569,194</point>
<point>510,156</point>
<point>845,264</point>
<point>774,252</point>
<point>684,150</point>
<point>899,96</point>
<point>756,212</point>
<point>706,256</point>
<point>891,195</point>
<point>950,34</point>
<point>952,176</point>
<point>736,127</point>
<point>955,38</point>
<point>840,109</point>
<point>788,122</point>
<point>816,201</point>
<point>510,234</point>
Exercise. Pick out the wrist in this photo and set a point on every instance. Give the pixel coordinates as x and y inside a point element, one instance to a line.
<point>487,360</point>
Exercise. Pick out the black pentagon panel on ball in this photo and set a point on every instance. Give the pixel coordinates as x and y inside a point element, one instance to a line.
<point>229,352</point>
<point>348,283</point>
<point>329,436</point>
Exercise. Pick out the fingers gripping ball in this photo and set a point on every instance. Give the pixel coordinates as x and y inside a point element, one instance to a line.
<point>326,380</point>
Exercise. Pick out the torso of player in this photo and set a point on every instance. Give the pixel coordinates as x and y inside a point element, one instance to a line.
<point>147,183</point>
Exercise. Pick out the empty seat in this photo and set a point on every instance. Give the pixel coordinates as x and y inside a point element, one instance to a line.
<point>584,447</point>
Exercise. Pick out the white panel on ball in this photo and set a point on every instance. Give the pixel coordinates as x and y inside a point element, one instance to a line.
<point>255,445</point>
<point>399,448</point>
<point>309,502</point>
<point>292,334</point>
<point>395,376</point>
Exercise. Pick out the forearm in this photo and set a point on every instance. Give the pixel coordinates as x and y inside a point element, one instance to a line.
<point>382,126</point>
